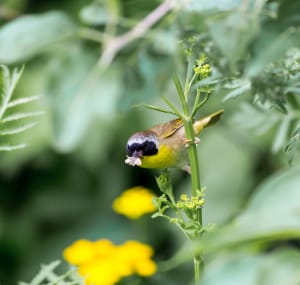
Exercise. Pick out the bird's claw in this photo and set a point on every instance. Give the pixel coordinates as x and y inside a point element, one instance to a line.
<point>188,142</point>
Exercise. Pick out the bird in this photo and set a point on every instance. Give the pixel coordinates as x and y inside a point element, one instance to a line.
<point>165,145</point>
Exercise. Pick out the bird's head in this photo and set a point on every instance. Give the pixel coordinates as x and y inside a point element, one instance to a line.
<point>141,144</point>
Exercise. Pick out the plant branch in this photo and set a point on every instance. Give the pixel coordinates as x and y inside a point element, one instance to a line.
<point>113,46</point>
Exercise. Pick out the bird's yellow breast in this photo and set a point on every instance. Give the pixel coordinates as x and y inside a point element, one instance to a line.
<point>166,157</point>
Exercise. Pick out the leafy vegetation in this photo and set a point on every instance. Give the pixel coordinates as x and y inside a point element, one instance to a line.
<point>96,64</point>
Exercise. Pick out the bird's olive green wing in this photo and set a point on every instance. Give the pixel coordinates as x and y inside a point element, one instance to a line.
<point>166,130</point>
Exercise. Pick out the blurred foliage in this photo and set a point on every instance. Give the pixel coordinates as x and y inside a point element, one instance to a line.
<point>61,186</point>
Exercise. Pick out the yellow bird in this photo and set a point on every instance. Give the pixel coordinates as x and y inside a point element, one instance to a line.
<point>165,145</point>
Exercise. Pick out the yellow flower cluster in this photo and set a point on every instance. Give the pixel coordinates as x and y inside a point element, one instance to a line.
<point>134,202</point>
<point>192,203</point>
<point>104,263</point>
<point>202,68</point>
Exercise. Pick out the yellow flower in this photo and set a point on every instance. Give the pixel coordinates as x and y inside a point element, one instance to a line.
<point>134,202</point>
<point>104,263</point>
<point>145,267</point>
<point>79,252</point>
<point>100,272</point>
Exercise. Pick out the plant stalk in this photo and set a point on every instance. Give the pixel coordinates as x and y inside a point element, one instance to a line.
<point>194,161</point>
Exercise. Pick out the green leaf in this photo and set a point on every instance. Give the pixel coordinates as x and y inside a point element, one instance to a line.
<point>293,145</point>
<point>239,91</point>
<point>202,5</point>
<point>159,109</point>
<point>273,213</point>
<point>164,184</point>
<point>94,14</point>
<point>82,96</point>
<point>29,35</point>
<point>281,135</point>
<point>279,267</point>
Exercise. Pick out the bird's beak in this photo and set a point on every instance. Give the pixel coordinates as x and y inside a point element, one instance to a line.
<point>137,154</point>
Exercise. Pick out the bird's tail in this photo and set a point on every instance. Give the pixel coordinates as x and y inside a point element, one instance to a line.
<point>207,121</point>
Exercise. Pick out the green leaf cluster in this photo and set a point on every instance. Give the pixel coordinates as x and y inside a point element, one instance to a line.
<point>60,187</point>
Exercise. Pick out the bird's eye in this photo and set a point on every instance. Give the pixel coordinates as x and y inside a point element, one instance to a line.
<point>149,148</point>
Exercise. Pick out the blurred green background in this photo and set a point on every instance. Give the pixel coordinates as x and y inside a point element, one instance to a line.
<point>61,187</point>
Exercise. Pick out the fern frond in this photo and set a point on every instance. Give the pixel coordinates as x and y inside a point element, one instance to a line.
<point>15,116</point>
<point>9,85</point>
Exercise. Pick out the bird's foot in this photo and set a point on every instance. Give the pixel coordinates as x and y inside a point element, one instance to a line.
<point>188,142</point>
<point>187,168</point>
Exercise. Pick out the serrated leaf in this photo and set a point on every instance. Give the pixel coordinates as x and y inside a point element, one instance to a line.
<point>27,36</point>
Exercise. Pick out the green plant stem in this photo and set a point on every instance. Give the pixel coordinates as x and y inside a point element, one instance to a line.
<point>198,268</point>
<point>193,159</point>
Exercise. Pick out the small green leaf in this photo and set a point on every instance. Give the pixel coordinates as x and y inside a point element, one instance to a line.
<point>94,14</point>
<point>202,5</point>
<point>164,183</point>
<point>281,135</point>
<point>293,145</point>
<point>159,109</point>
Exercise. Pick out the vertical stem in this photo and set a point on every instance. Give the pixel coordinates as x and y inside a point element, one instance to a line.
<point>194,162</point>
<point>197,266</point>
